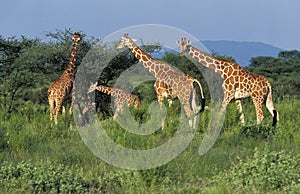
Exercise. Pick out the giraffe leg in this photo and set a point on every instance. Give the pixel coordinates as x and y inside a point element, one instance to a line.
<point>57,108</point>
<point>71,106</point>
<point>170,102</point>
<point>188,112</point>
<point>160,99</point>
<point>51,104</point>
<point>63,109</point>
<point>160,102</point>
<point>227,98</point>
<point>259,111</point>
<point>240,109</point>
<point>117,111</point>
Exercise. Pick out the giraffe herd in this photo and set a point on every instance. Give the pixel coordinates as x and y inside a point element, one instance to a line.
<point>171,83</point>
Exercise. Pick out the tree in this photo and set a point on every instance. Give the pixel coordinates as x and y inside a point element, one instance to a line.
<point>223,57</point>
<point>290,54</point>
<point>28,66</point>
<point>15,76</point>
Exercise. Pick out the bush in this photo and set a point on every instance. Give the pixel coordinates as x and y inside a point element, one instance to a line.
<point>258,131</point>
<point>41,177</point>
<point>264,171</point>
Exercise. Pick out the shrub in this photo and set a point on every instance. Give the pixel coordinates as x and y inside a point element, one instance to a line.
<point>41,177</point>
<point>258,131</point>
<point>264,171</point>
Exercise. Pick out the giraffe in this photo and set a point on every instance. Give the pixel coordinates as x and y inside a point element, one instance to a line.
<point>61,87</point>
<point>120,97</point>
<point>238,83</point>
<point>163,91</point>
<point>176,81</point>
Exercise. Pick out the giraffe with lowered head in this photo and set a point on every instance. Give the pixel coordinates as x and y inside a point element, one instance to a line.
<point>61,87</point>
<point>120,97</point>
<point>175,81</point>
<point>238,83</point>
<point>163,91</point>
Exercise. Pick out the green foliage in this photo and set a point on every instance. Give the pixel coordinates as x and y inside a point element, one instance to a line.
<point>258,131</point>
<point>28,66</point>
<point>264,171</point>
<point>38,158</point>
<point>42,177</point>
<point>223,57</point>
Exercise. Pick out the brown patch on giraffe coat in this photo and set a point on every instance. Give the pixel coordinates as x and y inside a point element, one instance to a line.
<point>209,60</point>
<point>235,72</point>
<point>145,58</point>
<point>138,57</point>
<point>211,66</point>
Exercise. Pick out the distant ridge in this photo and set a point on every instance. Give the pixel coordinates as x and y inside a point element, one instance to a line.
<point>242,52</point>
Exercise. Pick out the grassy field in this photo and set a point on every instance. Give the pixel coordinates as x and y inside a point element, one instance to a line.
<point>38,158</point>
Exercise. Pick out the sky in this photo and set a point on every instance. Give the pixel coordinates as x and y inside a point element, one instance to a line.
<point>273,22</point>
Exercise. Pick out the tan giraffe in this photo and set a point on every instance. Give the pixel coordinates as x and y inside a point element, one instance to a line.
<point>238,83</point>
<point>163,72</point>
<point>163,91</point>
<point>61,87</point>
<point>120,97</point>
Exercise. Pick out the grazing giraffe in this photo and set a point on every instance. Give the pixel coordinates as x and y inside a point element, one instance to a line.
<point>120,97</point>
<point>176,81</point>
<point>61,87</point>
<point>238,83</point>
<point>163,91</point>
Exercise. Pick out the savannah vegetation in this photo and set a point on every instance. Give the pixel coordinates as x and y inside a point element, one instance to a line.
<point>38,158</point>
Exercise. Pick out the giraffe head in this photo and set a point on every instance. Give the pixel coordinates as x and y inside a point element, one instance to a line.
<point>76,37</point>
<point>137,102</point>
<point>92,87</point>
<point>125,42</point>
<point>183,44</point>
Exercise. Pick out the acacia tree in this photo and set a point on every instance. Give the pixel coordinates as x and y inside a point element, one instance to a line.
<point>28,66</point>
<point>14,75</point>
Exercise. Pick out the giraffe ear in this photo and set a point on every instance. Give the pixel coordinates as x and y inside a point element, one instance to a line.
<point>189,41</point>
<point>178,42</point>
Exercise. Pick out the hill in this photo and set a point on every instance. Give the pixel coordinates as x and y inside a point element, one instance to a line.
<point>242,51</point>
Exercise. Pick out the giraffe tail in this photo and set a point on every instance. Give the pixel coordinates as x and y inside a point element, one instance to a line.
<point>270,106</point>
<point>202,96</point>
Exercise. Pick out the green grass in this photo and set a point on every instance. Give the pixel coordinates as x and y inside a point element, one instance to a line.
<point>36,157</point>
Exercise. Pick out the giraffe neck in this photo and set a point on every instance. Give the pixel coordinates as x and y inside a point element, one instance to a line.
<point>156,68</point>
<point>71,64</point>
<point>105,89</point>
<point>147,61</point>
<point>210,62</point>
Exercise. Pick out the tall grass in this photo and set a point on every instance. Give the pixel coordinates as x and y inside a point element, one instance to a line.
<point>29,139</point>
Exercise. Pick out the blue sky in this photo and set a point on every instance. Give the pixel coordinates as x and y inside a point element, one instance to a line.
<point>274,22</point>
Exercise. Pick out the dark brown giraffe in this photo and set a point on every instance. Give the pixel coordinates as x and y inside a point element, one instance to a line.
<point>120,97</point>
<point>61,87</point>
<point>176,81</point>
<point>238,83</point>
